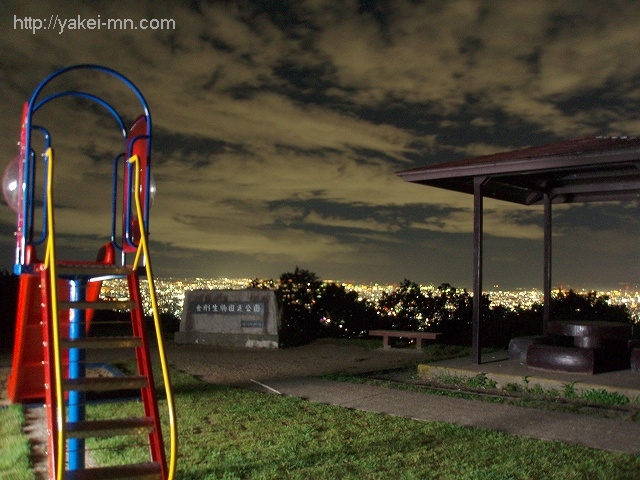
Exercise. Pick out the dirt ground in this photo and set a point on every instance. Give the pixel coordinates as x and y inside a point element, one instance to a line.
<point>236,366</point>
<point>241,366</point>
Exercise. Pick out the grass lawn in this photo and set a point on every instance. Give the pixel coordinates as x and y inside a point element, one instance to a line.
<point>233,433</point>
<point>14,446</point>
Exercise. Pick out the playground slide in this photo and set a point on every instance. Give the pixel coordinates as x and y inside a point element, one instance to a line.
<point>26,380</point>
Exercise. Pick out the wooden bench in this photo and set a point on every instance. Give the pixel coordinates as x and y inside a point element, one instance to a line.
<point>418,336</point>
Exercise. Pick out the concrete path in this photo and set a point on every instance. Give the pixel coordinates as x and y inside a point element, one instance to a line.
<point>591,431</point>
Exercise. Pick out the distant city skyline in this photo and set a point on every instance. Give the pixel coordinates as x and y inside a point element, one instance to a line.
<point>620,286</point>
<point>278,129</point>
<point>171,291</point>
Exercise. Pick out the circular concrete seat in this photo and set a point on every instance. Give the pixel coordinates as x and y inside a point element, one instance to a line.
<point>561,359</point>
<point>518,346</point>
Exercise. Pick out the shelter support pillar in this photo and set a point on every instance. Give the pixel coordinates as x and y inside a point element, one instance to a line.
<point>477,268</point>
<point>547,264</point>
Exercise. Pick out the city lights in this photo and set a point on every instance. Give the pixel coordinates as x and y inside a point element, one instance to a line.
<point>171,293</point>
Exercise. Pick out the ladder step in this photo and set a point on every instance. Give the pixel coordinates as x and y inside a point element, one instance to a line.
<point>95,343</point>
<point>99,305</point>
<point>139,471</point>
<point>110,428</point>
<point>106,384</point>
<point>91,270</point>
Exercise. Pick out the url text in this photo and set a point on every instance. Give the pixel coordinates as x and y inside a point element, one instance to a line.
<point>54,22</point>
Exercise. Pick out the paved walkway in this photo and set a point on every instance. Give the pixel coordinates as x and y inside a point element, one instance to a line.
<point>595,432</point>
<point>616,435</point>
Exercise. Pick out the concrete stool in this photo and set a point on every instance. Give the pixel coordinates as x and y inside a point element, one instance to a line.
<point>518,347</point>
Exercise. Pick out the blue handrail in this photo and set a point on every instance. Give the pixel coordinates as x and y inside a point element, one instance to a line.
<point>47,145</point>
<point>87,96</point>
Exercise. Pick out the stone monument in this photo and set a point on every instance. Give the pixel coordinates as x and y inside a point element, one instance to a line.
<point>232,318</point>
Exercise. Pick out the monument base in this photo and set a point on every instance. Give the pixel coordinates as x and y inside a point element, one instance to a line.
<point>239,340</point>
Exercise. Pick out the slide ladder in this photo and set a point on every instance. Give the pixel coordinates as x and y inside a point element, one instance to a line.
<point>74,429</point>
<point>67,348</point>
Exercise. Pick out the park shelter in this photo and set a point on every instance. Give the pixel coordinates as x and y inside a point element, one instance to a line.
<point>589,169</point>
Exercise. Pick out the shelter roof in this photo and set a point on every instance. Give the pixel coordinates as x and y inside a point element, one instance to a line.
<point>579,170</point>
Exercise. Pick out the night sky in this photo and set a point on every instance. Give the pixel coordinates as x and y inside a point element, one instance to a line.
<point>278,128</point>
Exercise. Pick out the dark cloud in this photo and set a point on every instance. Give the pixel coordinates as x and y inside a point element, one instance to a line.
<point>287,15</point>
<point>368,155</point>
<point>420,118</point>
<point>565,24</point>
<point>168,144</point>
<point>216,42</point>
<point>532,60</point>
<point>379,10</point>
<point>603,104</point>
<point>307,152</point>
<point>305,78</point>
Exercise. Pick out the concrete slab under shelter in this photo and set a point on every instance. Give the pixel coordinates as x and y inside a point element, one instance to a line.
<point>503,370</point>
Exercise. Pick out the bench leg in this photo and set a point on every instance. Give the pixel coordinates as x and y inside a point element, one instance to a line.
<point>418,344</point>
<point>385,341</point>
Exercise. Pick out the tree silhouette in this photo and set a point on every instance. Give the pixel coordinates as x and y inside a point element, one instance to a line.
<point>297,294</point>
<point>405,308</point>
<point>454,318</point>
<point>342,314</point>
<point>573,306</point>
<point>410,308</point>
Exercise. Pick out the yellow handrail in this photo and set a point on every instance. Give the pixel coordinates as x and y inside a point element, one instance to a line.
<point>144,249</point>
<point>50,264</point>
